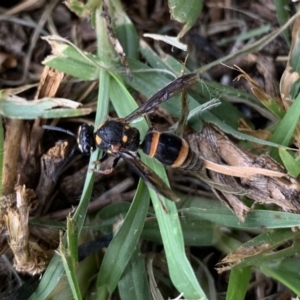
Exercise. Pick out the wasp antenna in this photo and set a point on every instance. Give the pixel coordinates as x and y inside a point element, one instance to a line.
<point>49,127</point>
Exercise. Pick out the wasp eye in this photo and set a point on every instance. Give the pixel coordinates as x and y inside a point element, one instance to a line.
<point>85,149</point>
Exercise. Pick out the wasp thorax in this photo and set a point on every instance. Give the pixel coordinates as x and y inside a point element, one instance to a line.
<point>85,140</point>
<point>114,135</point>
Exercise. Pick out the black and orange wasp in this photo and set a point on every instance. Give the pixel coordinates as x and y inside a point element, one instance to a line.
<point>117,138</point>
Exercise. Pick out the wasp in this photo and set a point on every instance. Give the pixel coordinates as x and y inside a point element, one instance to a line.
<point>117,138</point>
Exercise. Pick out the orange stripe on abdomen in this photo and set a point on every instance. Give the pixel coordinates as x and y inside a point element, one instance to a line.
<point>182,155</point>
<point>154,143</point>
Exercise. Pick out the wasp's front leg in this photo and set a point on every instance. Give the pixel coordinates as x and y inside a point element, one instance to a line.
<point>102,159</point>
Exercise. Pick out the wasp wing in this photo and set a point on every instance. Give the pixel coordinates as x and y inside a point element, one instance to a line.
<point>148,175</point>
<point>172,89</point>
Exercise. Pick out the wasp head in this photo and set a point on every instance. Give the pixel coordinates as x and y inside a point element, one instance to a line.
<point>85,139</point>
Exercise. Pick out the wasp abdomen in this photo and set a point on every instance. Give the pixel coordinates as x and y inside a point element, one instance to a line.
<point>171,150</point>
<point>192,162</point>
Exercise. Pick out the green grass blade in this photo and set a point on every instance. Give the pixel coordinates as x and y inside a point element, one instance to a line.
<point>72,239</point>
<point>109,215</point>
<point>238,283</point>
<point>185,12</point>
<point>180,270</point>
<point>51,278</point>
<point>71,60</point>
<point>249,34</point>
<point>283,16</point>
<point>69,256</point>
<point>115,261</point>
<point>291,165</point>
<point>18,108</point>
<point>78,69</point>
<point>125,31</point>
<point>215,212</point>
<point>262,248</point>
<point>285,271</point>
<point>134,282</point>
<point>207,236</point>
<point>284,131</point>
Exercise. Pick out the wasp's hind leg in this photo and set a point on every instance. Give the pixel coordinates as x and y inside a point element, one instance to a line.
<point>102,159</point>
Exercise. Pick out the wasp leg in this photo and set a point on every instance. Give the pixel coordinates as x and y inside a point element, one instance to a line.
<point>149,176</point>
<point>107,171</point>
<point>104,157</point>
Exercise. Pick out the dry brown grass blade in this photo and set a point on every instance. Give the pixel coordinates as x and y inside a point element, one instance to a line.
<point>48,86</point>
<point>260,133</point>
<point>17,90</point>
<point>237,256</point>
<point>49,83</point>
<point>14,131</point>
<point>255,88</point>
<point>242,172</point>
<point>29,256</point>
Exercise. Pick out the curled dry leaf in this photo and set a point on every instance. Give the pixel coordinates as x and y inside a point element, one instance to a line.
<point>288,79</point>
<point>52,164</point>
<point>260,94</point>
<point>264,180</point>
<point>274,105</point>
